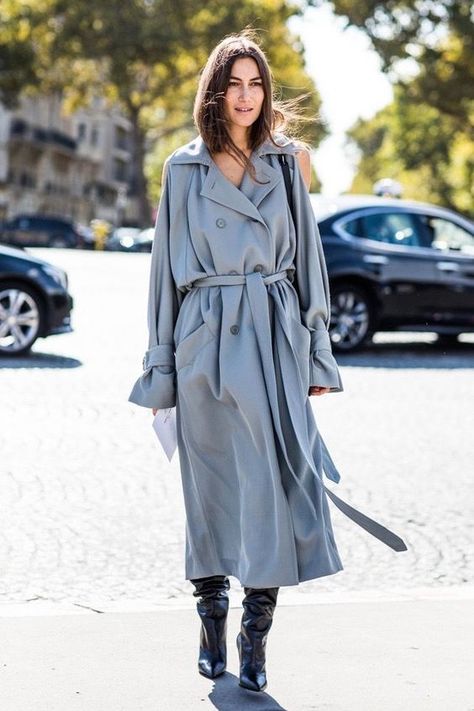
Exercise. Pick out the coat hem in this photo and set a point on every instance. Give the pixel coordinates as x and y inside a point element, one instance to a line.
<point>286,582</point>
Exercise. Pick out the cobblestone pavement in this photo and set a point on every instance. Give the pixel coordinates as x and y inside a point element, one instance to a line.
<point>91,510</point>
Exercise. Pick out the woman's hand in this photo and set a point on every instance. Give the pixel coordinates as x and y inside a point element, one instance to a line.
<point>318,390</point>
<point>154,411</point>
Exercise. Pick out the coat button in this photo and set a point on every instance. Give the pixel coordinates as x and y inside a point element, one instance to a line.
<point>234,329</point>
<point>258,268</point>
<point>220,222</point>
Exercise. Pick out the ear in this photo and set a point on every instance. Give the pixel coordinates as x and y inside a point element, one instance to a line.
<point>304,161</point>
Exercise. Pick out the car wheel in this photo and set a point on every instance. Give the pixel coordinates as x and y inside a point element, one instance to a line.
<point>351,317</point>
<point>21,316</point>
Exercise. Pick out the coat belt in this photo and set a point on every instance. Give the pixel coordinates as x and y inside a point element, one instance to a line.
<point>236,279</point>
<point>257,295</point>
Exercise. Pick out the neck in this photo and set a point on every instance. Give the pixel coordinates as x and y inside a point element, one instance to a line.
<point>240,135</point>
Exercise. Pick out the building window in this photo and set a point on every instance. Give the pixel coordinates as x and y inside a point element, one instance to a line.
<point>81,132</point>
<point>94,136</point>
<point>121,138</point>
<point>120,170</point>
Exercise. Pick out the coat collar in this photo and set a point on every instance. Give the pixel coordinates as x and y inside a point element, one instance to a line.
<point>216,187</point>
<point>196,150</point>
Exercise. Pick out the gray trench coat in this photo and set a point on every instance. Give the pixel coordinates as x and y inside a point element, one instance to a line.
<point>238,314</point>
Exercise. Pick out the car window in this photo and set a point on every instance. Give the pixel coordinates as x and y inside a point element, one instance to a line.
<point>399,228</point>
<point>354,227</point>
<point>447,235</point>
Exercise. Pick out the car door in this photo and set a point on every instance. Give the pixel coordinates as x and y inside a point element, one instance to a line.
<point>25,231</point>
<point>451,241</point>
<point>20,234</point>
<point>392,246</point>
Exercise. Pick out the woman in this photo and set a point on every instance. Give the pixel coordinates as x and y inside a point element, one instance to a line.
<point>238,314</point>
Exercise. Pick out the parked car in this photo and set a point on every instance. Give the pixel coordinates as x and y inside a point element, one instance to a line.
<point>130,239</point>
<point>34,301</point>
<point>44,231</point>
<point>395,265</point>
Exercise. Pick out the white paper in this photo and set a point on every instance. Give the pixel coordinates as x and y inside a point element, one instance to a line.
<point>164,424</point>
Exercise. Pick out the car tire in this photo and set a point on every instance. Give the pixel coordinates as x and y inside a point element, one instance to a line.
<point>352,317</point>
<point>22,315</point>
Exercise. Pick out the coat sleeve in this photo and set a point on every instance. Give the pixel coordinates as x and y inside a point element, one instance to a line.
<point>156,387</point>
<point>312,285</point>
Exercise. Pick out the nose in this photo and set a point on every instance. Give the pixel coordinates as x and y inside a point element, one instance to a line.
<point>244,91</point>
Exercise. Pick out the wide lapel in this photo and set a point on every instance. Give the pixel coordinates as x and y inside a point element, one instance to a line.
<point>269,177</point>
<point>216,187</point>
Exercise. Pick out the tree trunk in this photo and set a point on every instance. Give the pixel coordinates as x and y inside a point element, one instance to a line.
<point>139,181</point>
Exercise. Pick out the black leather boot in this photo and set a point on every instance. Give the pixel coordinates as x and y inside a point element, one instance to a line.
<point>212,607</point>
<point>259,605</point>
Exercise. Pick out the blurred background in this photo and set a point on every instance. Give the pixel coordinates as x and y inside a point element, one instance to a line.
<point>94,98</point>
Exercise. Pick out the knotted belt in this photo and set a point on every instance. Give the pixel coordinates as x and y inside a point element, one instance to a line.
<point>255,283</point>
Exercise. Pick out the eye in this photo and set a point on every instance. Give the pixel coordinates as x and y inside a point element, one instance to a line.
<point>233,82</point>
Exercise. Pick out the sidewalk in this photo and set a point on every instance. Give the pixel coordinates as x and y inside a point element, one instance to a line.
<point>412,655</point>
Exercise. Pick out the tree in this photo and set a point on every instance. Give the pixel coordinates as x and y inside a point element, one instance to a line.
<point>436,37</point>
<point>146,56</point>
<point>421,148</point>
<point>17,53</point>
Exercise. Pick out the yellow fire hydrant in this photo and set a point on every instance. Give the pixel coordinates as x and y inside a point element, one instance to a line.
<point>100,229</point>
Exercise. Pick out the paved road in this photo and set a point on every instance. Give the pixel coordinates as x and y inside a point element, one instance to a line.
<point>91,511</point>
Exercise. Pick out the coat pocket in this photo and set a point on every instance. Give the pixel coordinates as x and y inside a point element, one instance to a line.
<point>301,337</point>
<point>189,347</point>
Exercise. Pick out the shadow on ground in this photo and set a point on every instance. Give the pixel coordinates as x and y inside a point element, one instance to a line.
<point>410,355</point>
<point>39,360</point>
<point>227,695</point>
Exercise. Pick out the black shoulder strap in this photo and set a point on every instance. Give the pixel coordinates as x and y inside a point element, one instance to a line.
<point>287,178</point>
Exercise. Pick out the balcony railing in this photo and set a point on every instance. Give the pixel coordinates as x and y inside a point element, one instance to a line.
<point>22,129</point>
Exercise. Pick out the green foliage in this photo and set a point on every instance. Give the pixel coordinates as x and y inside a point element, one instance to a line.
<point>421,148</point>
<point>437,38</point>
<point>21,32</point>
<point>425,139</point>
<point>145,55</point>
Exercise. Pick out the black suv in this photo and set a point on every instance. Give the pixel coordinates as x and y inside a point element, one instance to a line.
<point>41,231</point>
<point>395,265</point>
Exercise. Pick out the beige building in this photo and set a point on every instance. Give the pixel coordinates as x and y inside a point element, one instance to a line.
<point>77,166</point>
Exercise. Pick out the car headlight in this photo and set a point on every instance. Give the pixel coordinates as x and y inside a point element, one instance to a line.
<point>126,241</point>
<point>58,275</point>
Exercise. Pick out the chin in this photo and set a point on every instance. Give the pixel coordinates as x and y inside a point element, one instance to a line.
<point>244,120</point>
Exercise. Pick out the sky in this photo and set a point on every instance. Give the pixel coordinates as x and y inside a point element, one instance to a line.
<point>347,74</point>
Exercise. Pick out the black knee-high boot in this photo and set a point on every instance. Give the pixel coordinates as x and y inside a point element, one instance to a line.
<point>212,607</point>
<point>259,605</point>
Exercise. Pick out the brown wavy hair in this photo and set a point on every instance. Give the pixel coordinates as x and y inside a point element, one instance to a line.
<point>209,115</point>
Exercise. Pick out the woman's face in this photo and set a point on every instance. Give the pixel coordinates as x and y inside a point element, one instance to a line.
<point>245,94</point>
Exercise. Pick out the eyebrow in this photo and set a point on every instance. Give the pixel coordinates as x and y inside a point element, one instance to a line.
<point>239,79</point>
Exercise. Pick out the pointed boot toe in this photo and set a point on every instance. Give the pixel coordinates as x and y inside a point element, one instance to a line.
<point>211,668</point>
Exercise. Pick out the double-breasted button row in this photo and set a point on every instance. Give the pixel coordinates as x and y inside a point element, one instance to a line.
<point>234,329</point>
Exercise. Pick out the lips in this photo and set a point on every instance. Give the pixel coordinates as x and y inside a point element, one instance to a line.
<point>244,111</point>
